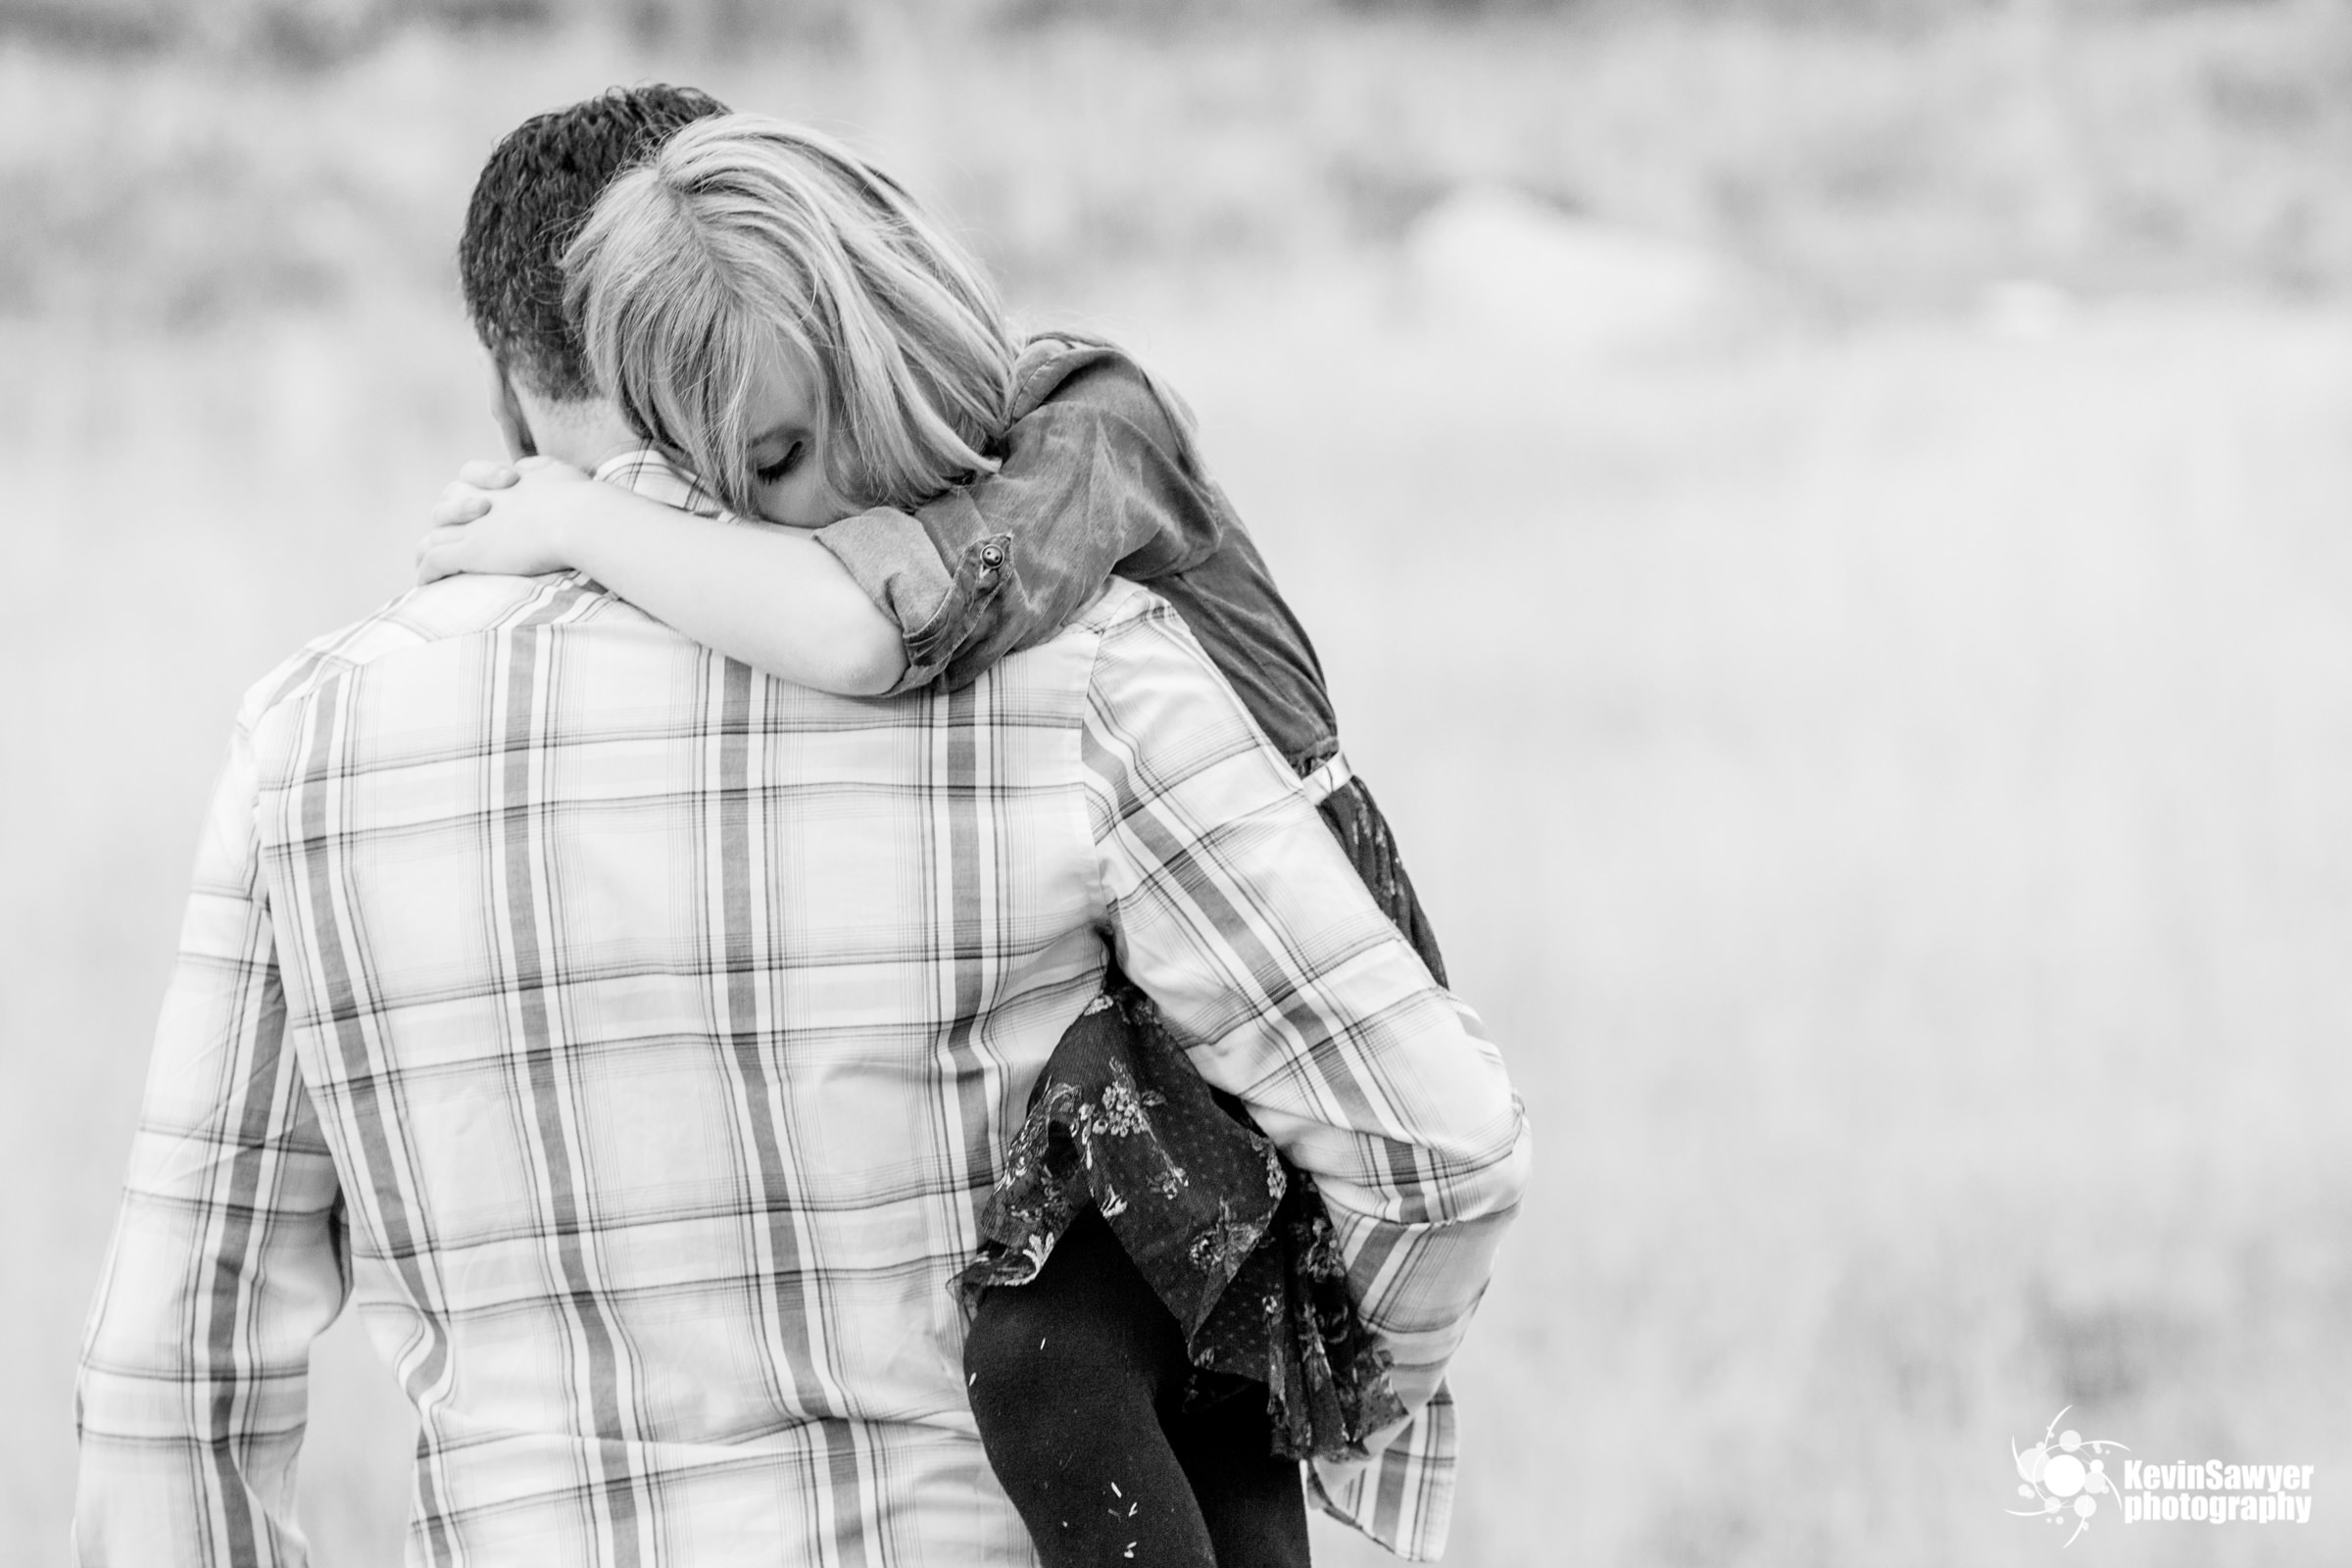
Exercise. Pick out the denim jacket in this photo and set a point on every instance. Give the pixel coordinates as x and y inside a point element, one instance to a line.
<point>1099,477</point>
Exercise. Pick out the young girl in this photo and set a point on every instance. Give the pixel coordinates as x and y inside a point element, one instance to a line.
<point>1168,1311</point>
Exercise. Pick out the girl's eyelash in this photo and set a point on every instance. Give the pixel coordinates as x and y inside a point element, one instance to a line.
<point>782,466</point>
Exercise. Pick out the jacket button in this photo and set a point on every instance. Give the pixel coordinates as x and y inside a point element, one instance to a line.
<point>992,556</point>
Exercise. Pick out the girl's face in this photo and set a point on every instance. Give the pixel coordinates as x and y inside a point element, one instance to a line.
<point>787,421</point>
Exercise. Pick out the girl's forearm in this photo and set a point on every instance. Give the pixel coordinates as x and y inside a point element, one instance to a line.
<point>771,597</point>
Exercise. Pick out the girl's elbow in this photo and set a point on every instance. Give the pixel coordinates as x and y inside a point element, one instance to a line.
<point>874,666</point>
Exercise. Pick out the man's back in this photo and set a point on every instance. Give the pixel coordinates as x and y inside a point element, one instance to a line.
<point>640,1034</point>
<point>664,1021</point>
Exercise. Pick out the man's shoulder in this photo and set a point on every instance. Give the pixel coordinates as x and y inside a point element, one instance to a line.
<point>438,613</point>
<point>1105,643</point>
<point>1129,632</point>
<point>1121,605</point>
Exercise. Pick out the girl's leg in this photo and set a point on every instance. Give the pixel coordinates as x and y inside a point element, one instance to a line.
<point>1250,1498</point>
<point>1068,1376</point>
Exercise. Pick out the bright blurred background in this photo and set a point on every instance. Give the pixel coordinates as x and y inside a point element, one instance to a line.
<point>1830,525</point>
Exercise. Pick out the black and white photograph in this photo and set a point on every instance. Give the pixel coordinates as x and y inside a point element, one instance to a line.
<point>1176,783</point>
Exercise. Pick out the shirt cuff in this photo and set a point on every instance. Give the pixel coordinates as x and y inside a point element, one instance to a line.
<point>892,556</point>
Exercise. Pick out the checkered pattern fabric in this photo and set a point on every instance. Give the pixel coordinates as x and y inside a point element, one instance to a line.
<point>633,1039</point>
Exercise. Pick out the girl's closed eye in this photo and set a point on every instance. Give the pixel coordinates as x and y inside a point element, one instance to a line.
<point>789,442</point>
<point>771,472</point>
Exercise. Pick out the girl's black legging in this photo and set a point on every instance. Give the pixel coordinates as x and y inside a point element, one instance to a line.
<point>1076,1378</point>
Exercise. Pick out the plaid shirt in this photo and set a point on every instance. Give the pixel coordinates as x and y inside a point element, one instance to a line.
<point>633,1038</point>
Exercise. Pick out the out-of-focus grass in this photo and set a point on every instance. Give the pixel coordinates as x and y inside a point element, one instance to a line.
<point>1888,165</point>
<point>1888,793</point>
<point>1886,786</point>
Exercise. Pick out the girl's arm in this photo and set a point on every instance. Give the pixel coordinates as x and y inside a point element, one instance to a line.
<point>771,597</point>
<point>1098,476</point>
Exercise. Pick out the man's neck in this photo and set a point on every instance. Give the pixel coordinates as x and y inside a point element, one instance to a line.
<point>584,432</point>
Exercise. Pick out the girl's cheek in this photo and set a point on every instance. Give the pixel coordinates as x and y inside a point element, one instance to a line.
<point>776,502</point>
<point>798,504</point>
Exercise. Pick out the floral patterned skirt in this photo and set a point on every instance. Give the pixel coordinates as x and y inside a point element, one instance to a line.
<point>1232,1239</point>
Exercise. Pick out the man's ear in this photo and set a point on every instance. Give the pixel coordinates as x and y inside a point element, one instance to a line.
<point>507,409</point>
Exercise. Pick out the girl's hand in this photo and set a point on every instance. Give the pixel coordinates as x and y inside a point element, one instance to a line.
<point>769,596</point>
<point>504,518</point>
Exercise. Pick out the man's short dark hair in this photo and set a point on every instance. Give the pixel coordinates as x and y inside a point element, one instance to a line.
<point>535,192</point>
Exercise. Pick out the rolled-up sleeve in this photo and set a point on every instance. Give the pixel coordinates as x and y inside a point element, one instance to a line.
<point>223,1266</point>
<point>1232,908</point>
<point>1099,479</point>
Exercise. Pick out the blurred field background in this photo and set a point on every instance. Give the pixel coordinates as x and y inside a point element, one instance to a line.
<point>1873,721</point>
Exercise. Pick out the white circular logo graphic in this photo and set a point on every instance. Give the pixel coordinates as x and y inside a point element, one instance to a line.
<point>2052,1471</point>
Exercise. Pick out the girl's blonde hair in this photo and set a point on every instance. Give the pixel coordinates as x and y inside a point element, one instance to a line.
<point>743,233</point>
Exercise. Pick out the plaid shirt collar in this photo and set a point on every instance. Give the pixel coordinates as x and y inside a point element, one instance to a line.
<point>651,474</point>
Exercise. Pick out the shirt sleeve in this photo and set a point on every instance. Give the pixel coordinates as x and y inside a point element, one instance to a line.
<point>1099,479</point>
<point>224,1264</point>
<point>1235,912</point>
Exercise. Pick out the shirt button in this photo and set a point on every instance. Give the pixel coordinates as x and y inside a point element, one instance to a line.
<point>992,557</point>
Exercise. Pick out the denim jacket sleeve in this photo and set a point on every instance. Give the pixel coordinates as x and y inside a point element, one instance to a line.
<point>1098,478</point>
